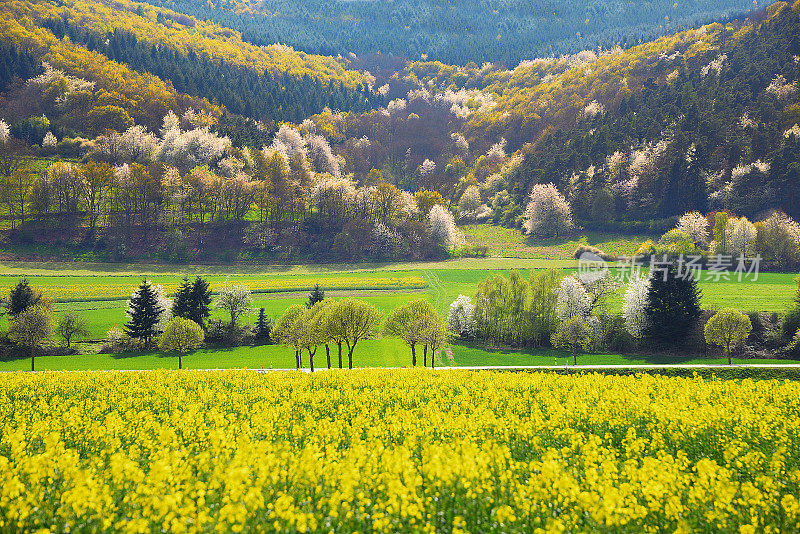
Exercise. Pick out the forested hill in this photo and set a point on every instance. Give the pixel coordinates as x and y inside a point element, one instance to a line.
<point>198,58</point>
<point>506,31</point>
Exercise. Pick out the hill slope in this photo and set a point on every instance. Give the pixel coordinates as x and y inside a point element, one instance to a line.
<point>458,32</point>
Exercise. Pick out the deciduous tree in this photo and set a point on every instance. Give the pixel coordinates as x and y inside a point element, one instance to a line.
<point>71,325</point>
<point>32,328</point>
<point>548,213</point>
<point>572,334</point>
<point>409,322</point>
<point>181,336</point>
<point>727,328</point>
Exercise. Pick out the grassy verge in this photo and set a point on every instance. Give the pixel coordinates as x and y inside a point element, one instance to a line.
<point>510,243</point>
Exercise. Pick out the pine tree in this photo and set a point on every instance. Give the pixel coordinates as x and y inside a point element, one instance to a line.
<point>22,297</point>
<point>181,306</point>
<point>672,307</point>
<point>263,327</point>
<point>317,295</point>
<point>200,302</point>
<point>144,313</point>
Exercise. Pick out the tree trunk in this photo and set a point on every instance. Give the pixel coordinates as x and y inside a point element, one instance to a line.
<point>180,363</point>
<point>311,359</point>
<point>340,354</point>
<point>33,360</point>
<point>425,356</point>
<point>413,355</point>
<point>297,358</point>
<point>433,363</point>
<point>328,354</point>
<point>350,357</point>
<point>574,358</point>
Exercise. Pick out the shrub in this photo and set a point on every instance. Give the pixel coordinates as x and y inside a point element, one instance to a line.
<point>588,249</point>
<point>790,323</point>
<point>646,249</point>
<point>117,340</point>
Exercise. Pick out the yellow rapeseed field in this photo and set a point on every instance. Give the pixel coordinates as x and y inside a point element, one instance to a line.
<point>108,288</point>
<point>396,450</point>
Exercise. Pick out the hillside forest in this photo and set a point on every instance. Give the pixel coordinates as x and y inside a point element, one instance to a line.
<point>131,128</point>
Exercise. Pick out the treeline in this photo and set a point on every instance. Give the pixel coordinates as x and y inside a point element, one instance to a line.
<point>661,312</point>
<point>244,91</point>
<point>191,193</point>
<point>183,323</point>
<point>506,32</point>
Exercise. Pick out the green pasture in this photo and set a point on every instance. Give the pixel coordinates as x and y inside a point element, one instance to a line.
<point>441,283</point>
<point>510,243</point>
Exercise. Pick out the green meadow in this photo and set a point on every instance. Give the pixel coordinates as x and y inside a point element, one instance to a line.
<point>99,292</point>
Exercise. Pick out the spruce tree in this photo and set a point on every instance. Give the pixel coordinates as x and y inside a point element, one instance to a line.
<point>263,327</point>
<point>200,302</point>
<point>672,307</point>
<point>22,297</point>
<point>317,295</point>
<point>181,305</point>
<point>144,312</point>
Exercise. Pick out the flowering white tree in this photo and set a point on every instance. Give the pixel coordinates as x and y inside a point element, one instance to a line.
<point>398,105</point>
<point>166,304</point>
<point>593,109</point>
<point>409,209</point>
<point>781,88</point>
<point>388,243</point>
<point>694,225</point>
<point>334,197</point>
<point>634,304</point>
<point>288,141</point>
<point>497,153</point>
<point>170,123</point>
<point>460,143</point>
<point>741,236</point>
<point>443,227</point>
<point>5,132</point>
<point>548,214</point>
<point>572,299</point>
<point>470,201</point>
<point>189,149</point>
<point>460,318</point>
<point>320,155</point>
<point>49,140</point>
<point>427,168</point>
<point>139,145</point>
<point>230,166</point>
<point>236,300</point>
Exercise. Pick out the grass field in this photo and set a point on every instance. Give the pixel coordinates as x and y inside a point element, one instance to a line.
<point>99,296</point>
<point>510,243</point>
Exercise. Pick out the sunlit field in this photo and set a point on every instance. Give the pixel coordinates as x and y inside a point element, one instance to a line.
<point>100,298</point>
<point>397,451</point>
